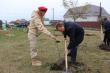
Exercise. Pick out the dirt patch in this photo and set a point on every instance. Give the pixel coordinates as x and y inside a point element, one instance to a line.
<point>57,41</point>
<point>78,67</point>
<point>104,47</point>
<point>58,66</point>
<point>74,67</point>
<point>9,34</point>
<point>90,34</point>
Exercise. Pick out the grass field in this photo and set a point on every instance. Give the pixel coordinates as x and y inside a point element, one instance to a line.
<point>15,54</point>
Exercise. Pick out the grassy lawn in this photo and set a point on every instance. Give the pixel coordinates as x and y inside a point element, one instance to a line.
<point>15,54</point>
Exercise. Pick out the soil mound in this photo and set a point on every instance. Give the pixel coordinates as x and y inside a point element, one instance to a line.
<point>90,34</point>
<point>61,66</point>
<point>104,47</point>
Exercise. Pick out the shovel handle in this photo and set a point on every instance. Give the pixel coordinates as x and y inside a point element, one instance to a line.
<point>66,64</point>
<point>101,34</point>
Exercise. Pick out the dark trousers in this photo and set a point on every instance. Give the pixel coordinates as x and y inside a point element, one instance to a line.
<point>78,39</point>
<point>73,52</point>
<point>107,38</point>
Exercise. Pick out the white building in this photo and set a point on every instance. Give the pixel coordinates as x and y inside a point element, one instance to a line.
<point>46,21</point>
<point>92,14</point>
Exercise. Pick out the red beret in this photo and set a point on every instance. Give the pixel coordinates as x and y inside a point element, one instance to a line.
<point>42,8</point>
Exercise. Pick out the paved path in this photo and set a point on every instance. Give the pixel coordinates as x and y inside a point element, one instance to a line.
<point>92,30</point>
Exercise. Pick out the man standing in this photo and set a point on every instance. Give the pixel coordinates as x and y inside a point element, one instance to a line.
<point>106,25</point>
<point>76,34</point>
<point>36,27</point>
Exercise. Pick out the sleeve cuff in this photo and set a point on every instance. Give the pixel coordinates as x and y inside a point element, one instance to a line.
<point>68,48</point>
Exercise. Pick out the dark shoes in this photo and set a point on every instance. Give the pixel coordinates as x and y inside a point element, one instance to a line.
<point>71,61</point>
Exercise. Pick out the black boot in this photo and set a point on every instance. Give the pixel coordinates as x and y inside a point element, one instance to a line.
<point>71,61</point>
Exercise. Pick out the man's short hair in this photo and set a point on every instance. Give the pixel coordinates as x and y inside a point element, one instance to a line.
<point>105,19</point>
<point>59,25</point>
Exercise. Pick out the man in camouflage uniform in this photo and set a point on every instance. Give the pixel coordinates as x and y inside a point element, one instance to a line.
<point>35,28</point>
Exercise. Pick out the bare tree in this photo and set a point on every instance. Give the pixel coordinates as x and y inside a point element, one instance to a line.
<point>74,11</point>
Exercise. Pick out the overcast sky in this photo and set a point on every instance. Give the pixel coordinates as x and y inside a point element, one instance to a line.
<point>12,10</point>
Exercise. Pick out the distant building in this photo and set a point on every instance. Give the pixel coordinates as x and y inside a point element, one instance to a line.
<point>90,17</point>
<point>92,14</point>
<point>46,21</point>
<point>54,22</point>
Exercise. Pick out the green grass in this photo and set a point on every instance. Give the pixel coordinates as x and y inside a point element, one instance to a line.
<point>15,54</point>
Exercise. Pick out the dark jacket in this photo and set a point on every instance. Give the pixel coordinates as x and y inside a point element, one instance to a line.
<point>103,24</point>
<point>107,27</point>
<point>73,30</point>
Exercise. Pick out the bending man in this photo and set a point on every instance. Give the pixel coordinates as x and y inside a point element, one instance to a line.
<point>76,34</point>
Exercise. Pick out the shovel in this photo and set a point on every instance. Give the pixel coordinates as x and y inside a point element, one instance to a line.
<point>101,36</point>
<point>66,63</point>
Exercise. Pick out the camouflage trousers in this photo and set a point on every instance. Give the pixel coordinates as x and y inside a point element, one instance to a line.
<point>33,40</point>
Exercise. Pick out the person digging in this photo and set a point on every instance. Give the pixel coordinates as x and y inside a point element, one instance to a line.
<point>76,34</point>
<point>106,32</point>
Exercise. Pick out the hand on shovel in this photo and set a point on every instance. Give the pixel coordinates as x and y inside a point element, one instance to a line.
<point>66,52</point>
<point>102,32</point>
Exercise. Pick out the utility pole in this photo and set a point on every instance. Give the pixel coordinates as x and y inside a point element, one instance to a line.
<point>100,17</point>
<point>53,13</point>
<point>100,14</point>
<point>53,22</point>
